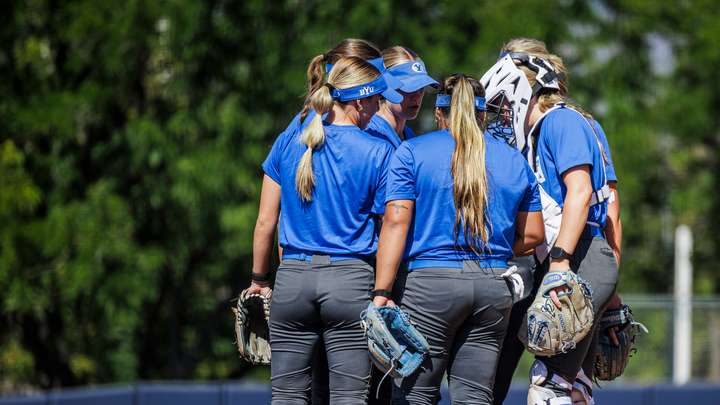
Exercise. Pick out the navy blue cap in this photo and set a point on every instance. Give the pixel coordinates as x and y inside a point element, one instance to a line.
<point>377,86</point>
<point>413,76</point>
<point>443,100</point>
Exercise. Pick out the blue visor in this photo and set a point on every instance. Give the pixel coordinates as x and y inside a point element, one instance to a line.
<point>443,101</point>
<point>413,76</point>
<point>377,86</point>
<point>377,62</point>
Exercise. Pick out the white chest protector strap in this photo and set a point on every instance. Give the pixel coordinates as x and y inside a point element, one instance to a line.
<point>551,210</point>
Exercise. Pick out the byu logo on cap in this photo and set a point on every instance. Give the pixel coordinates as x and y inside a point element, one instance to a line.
<point>417,67</point>
<point>366,90</point>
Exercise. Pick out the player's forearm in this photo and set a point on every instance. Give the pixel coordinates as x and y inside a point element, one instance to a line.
<point>390,251</point>
<point>391,246</point>
<point>574,218</point>
<point>530,233</point>
<point>263,238</point>
<point>613,227</point>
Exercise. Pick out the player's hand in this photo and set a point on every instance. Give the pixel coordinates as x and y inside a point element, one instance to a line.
<point>612,334</point>
<point>257,287</point>
<point>558,265</point>
<point>614,302</point>
<point>383,301</point>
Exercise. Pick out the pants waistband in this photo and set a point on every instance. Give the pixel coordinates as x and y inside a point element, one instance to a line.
<point>289,254</point>
<point>455,264</point>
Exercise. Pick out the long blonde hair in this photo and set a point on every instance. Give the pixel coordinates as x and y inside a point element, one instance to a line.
<point>546,98</point>
<point>348,47</point>
<point>470,178</point>
<point>346,73</point>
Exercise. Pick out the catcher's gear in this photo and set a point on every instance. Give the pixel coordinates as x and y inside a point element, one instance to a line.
<point>395,346</point>
<point>541,382</point>
<point>550,330</point>
<point>252,315</point>
<point>582,390</point>
<point>509,92</point>
<point>611,360</point>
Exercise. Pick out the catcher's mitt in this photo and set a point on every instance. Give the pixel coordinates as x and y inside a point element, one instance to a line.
<point>395,346</point>
<point>252,314</point>
<point>550,330</point>
<point>610,360</point>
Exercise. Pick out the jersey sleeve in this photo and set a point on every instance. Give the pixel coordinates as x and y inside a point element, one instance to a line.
<point>401,175</point>
<point>379,201</point>
<point>569,138</point>
<point>531,200</point>
<point>271,165</point>
<point>609,166</point>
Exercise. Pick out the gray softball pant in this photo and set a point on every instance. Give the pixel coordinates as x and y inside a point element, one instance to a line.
<point>314,300</point>
<point>594,261</point>
<point>463,314</point>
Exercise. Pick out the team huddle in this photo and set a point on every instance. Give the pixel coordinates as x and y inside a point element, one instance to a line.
<point>446,253</point>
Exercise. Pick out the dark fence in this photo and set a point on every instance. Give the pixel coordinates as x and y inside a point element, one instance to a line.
<point>180,393</point>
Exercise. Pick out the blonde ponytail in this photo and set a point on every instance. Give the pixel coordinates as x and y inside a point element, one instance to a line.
<point>313,136</point>
<point>470,182</point>
<point>315,79</point>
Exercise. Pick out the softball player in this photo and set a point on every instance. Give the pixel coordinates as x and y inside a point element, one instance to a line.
<point>330,181</point>
<point>389,124</point>
<point>464,202</point>
<point>317,73</point>
<point>527,89</point>
<point>406,67</point>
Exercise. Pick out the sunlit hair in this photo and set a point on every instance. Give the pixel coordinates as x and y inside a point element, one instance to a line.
<point>547,98</point>
<point>470,179</point>
<point>346,73</point>
<point>358,48</point>
<point>397,55</point>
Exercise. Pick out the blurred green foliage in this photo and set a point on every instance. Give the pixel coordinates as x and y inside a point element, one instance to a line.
<point>132,132</point>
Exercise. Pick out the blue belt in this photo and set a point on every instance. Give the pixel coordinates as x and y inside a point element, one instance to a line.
<point>456,264</point>
<point>291,254</point>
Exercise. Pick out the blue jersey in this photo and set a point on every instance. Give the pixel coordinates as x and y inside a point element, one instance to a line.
<point>566,140</point>
<point>420,171</point>
<point>350,171</point>
<point>380,128</point>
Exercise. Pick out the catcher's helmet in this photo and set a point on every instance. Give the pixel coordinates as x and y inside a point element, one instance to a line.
<point>509,92</point>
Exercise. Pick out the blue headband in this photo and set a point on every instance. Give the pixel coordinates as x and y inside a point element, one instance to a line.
<point>443,101</point>
<point>376,86</point>
<point>379,64</point>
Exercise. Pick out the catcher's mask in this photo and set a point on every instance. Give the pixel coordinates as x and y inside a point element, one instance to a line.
<point>509,92</point>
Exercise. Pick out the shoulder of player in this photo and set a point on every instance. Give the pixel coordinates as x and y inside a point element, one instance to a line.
<point>428,139</point>
<point>362,141</point>
<point>497,150</point>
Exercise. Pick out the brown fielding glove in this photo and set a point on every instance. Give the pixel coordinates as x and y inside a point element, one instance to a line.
<point>611,360</point>
<point>252,315</point>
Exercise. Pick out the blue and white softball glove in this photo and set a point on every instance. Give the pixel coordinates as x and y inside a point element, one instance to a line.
<point>395,346</point>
